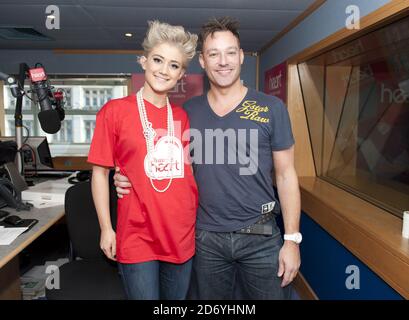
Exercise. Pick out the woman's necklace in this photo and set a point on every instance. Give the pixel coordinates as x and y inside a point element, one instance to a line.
<point>149,133</point>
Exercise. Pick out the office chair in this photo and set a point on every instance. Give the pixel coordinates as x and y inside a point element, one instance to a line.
<point>93,276</point>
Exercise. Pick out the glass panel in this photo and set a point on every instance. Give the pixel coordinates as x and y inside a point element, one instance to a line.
<point>357,104</point>
<point>313,94</point>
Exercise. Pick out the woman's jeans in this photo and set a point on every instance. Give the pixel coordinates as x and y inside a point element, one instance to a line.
<point>154,280</point>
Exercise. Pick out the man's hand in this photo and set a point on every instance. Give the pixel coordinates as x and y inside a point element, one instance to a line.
<point>121,183</point>
<point>289,262</point>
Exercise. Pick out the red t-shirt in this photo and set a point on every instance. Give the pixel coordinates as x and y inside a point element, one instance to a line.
<point>151,225</point>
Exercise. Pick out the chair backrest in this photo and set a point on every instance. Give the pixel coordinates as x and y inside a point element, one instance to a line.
<point>82,220</point>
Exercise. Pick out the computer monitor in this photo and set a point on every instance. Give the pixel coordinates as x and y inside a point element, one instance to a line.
<point>36,154</point>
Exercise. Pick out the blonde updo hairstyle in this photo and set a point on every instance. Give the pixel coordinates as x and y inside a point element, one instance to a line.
<point>161,32</point>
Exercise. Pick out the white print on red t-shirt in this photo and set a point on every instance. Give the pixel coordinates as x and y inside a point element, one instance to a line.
<point>158,165</point>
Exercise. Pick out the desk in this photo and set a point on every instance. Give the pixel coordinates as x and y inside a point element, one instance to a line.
<point>9,264</point>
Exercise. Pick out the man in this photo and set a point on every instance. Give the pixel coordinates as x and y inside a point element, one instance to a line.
<point>238,136</point>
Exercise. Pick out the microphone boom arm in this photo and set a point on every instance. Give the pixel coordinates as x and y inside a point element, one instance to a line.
<point>18,117</point>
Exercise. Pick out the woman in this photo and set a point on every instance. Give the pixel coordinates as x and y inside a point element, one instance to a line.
<point>142,134</point>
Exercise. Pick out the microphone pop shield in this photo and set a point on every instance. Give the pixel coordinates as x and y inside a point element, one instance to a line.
<point>49,121</point>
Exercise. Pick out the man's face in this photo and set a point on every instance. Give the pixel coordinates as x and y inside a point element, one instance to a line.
<point>222,59</point>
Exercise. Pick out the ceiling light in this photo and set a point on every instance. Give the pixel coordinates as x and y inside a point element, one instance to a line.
<point>128,34</point>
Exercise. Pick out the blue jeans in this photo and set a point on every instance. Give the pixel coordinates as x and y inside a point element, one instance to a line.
<point>230,265</point>
<point>154,280</point>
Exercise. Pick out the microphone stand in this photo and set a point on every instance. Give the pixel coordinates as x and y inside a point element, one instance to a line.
<point>18,118</point>
<point>18,114</point>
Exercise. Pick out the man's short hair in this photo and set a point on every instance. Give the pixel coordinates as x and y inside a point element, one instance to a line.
<point>218,24</point>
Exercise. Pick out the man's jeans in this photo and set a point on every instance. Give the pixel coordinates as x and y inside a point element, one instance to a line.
<point>156,280</point>
<point>230,265</point>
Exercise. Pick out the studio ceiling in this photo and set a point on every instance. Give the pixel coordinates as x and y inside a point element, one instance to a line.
<point>102,24</point>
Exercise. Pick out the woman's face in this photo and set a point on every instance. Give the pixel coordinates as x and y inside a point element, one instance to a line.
<point>163,67</point>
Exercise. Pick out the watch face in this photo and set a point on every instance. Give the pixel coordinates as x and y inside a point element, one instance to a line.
<point>298,237</point>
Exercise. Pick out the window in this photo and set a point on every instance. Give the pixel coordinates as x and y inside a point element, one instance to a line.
<point>89,129</point>
<point>65,133</point>
<point>10,101</point>
<point>68,99</point>
<point>83,98</point>
<point>11,128</point>
<point>356,99</point>
<point>96,97</point>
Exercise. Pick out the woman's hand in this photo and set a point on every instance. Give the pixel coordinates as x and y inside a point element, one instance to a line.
<point>108,243</point>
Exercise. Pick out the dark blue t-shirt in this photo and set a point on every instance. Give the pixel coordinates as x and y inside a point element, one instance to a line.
<point>232,158</point>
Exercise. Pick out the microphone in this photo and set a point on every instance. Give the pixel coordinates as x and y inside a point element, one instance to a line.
<point>13,84</point>
<point>49,118</point>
